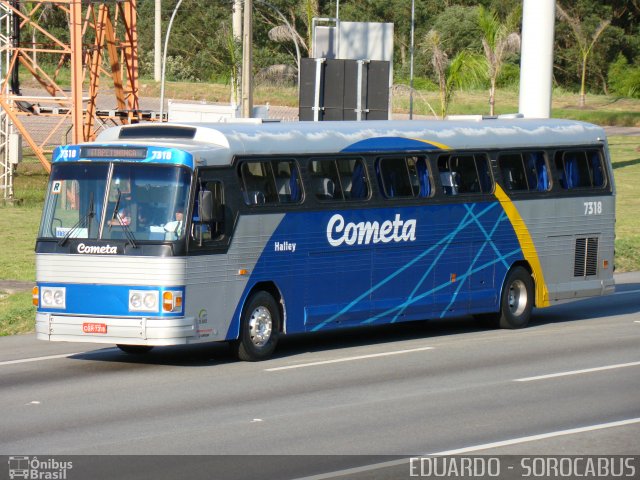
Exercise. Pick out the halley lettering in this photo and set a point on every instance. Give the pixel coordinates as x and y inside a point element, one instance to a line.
<point>364,233</point>
<point>97,249</point>
<point>284,246</point>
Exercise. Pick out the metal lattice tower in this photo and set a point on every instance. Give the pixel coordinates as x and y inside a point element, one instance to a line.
<point>101,42</point>
<point>6,129</point>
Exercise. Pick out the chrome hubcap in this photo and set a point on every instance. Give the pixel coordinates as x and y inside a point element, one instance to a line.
<point>260,325</point>
<point>517,297</point>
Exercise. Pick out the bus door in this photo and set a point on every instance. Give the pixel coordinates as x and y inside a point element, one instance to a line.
<point>209,230</point>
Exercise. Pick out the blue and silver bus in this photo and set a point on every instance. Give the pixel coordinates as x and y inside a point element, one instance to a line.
<point>167,234</point>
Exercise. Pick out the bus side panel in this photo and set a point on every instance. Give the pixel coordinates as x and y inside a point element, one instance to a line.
<point>559,230</point>
<point>218,283</point>
<point>337,268</point>
<point>478,247</point>
<point>316,280</point>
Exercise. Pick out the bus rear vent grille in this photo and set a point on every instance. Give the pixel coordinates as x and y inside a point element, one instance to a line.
<point>586,260</point>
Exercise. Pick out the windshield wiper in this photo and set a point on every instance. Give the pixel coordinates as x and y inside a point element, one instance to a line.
<point>125,228</point>
<point>114,215</point>
<point>80,223</point>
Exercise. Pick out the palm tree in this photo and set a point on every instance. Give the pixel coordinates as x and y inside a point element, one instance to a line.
<point>462,70</point>
<point>498,40</point>
<point>305,11</point>
<point>585,43</point>
<point>286,32</point>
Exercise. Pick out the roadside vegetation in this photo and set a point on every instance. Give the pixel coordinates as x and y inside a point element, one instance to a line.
<point>601,109</point>
<point>625,154</point>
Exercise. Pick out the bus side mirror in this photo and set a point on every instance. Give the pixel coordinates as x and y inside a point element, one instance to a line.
<point>209,207</point>
<point>205,206</point>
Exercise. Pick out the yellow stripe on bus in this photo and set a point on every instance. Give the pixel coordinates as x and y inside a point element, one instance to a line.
<point>524,237</point>
<point>438,145</point>
<point>527,246</point>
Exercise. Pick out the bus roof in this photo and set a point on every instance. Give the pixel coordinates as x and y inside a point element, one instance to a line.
<point>218,143</point>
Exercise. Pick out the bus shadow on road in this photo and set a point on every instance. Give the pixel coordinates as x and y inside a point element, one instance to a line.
<point>626,301</point>
<point>220,353</point>
<point>201,355</point>
<point>350,337</point>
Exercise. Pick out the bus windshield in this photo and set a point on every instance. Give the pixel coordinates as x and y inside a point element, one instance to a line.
<point>105,201</point>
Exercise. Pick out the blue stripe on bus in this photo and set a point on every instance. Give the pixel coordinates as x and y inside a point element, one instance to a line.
<point>388,144</point>
<point>107,300</point>
<point>456,265</point>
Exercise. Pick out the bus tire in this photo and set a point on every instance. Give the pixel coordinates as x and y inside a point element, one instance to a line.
<point>135,349</point>
<point>517,299</point>
<point>260,323</point>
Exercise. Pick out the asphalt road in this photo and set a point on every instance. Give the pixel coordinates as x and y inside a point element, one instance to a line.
<point>568,384</point>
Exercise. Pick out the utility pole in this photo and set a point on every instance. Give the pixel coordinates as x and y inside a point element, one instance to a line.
<point>77,134</point>
<point>411,49</point>
<point>237,38</point>
<point>247,60</point>
<point>536,59</point>
<point>157,44</point>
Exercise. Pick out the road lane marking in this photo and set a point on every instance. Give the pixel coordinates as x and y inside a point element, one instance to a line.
<point>542,436</point>
<point>636,321</point>
<point>470,449</point>
<point>38,359</point>
<point>625,292</point>
<point>348,359</point>
<point>577,372</point>
<point>53,357</point>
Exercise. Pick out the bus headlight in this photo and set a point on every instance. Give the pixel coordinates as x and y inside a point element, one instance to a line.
<point>53,297</point>
<point>135,301</point>
<point>143,301</point>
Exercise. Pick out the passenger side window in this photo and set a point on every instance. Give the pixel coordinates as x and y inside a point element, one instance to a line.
<point>271,182</point>
<point>339,179</point>
<point>403,177</point>
<point>580,169</point>
<point>526,171</point>
<point>325,181</point>
<point>469,173</point>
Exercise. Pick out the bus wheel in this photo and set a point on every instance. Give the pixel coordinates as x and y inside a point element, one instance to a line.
<point>135,349</point>
<point>259,328</point>
<point>517,299</point>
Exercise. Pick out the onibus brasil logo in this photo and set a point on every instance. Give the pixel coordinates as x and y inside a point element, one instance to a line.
<point>35,469</point>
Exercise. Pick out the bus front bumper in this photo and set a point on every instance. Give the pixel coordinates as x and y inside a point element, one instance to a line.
<point>119,330</point>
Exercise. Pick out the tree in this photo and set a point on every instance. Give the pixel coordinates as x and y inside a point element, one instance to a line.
<point>624,79</point>
<point>462,70</point>
<point>585,41</point>
<point>30,9</point>
<point>498,40</point>
<point>459,29</point>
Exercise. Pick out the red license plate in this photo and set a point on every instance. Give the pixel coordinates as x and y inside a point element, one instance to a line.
<point>94,328</point>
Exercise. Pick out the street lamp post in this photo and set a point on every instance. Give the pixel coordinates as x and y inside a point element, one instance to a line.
<point>164,59</point>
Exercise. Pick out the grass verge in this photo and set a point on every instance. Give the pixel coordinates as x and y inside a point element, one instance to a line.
<point>625,155</point>
<point>17,314</point>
